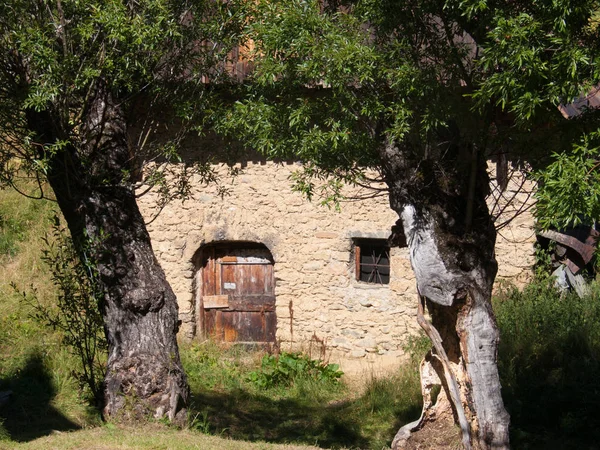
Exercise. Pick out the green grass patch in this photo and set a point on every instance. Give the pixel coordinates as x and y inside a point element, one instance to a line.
<point>229,400</point>
<point>19,217</point>
<point>34,365</point>
<point>149,436</point>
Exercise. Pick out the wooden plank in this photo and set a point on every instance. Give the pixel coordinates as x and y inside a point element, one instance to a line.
<point>252,302</point>
<point>208,276</point>
<point>218,274</point>
<point>229,259</point>
<point>247,326</point>
<point>218,331</point>
<point>357,260</point>
<point>210,320</point>
<point>215,301</point>
<point>229,280</point>
<point>269,279</point>
<point>249,308</point>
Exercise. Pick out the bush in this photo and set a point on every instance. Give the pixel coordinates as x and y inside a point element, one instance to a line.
<point>285,368</point>
<point>76,315</point>
<point>549,363</point>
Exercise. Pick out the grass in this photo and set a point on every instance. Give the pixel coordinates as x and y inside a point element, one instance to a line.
<point>549,363</point>
<point>47,408</point>
<point>34,365</point>
<point>150,436</point>
<point>226,402</point>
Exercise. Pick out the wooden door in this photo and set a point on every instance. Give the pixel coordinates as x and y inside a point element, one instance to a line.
<point>238,294</point>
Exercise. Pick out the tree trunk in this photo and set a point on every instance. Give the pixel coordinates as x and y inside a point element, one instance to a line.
<point>144,374</point>
<point>454,264</point>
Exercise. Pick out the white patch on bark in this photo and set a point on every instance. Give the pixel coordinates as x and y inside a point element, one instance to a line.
<point>434,280</point>
<point>481,363</point>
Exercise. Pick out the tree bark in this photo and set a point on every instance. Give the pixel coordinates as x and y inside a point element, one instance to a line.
<point>144,374</point>
<point>455,267</point>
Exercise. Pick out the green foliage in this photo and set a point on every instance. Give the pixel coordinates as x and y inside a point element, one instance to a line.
<point>569,187</point>
<point>332,87</point>
<point>152,55</point>
<point>200,422</point>
<point>70,45</point>
<point>310,411</point>
<point>285,368</point>
<point>417,347</point>
<point>537,55</point>
<point>76,315</point>
<point>543,260</point>
<point>549,363</point>
<point>209,366</point>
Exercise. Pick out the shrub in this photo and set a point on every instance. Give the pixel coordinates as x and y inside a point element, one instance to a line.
<point>285,368</point>
<point>76,315</point>
<point>549,361</point>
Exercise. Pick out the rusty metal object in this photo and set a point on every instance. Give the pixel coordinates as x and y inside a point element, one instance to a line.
<point>579,245</point>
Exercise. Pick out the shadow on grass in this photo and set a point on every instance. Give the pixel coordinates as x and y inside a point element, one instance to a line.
<point>29,414</point>
<point>242,415</point>
<point>554,399</point>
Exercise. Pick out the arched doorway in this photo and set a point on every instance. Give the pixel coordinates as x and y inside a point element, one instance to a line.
<point>236,293</point>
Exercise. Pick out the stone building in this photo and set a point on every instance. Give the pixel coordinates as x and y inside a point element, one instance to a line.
<point>263,264</point>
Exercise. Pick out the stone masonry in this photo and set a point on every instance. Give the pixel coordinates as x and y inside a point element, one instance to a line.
<point>319,303</point>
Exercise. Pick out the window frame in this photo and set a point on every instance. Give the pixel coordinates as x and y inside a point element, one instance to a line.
<point>358,245</point>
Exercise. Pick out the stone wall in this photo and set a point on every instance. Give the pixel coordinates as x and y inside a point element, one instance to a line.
<point>319,302</point>
<point>513,210</point>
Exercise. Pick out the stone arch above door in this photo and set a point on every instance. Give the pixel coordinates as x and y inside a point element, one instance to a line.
<point>235,292</point>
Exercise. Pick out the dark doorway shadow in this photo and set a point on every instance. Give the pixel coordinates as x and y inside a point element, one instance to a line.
<point>28,413</point>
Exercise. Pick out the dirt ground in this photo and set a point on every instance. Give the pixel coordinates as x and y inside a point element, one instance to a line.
<point>438,435</point>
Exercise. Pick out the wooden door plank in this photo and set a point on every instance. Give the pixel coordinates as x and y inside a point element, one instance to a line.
<point>238,300</point>
<point>216,301</point>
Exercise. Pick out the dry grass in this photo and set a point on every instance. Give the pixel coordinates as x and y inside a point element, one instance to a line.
<point>154,436</point>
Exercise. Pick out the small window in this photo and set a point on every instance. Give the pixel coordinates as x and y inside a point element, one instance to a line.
<point>372,259</point>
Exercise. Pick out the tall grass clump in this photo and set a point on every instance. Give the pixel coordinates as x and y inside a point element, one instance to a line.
<point>549,363</point>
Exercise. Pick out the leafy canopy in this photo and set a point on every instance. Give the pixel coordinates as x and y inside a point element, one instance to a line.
<point>333,83</point>
<point>569,187</point>
<point>151,54</point>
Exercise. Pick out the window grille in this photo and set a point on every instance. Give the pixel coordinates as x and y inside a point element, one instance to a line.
<point>372,259</point>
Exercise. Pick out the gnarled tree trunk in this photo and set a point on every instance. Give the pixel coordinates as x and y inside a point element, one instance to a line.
<point>451,237</point>
<point>144,374</point>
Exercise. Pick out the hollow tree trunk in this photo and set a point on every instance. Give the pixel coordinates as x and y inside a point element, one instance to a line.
<point>144,374</point>
<point>454,264</point>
